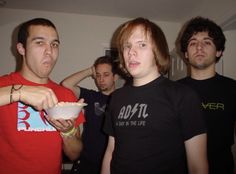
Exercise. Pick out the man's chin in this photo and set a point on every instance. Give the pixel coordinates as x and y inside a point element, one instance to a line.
<point>103,89</point>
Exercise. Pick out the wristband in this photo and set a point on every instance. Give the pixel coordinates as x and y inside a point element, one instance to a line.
<point>13,89</point>
<point>70,133</point>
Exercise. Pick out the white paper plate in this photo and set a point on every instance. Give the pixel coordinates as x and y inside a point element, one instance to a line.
<point>65,110</point>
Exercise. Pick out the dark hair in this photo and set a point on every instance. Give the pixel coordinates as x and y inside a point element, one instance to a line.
<point>160,46</point>
<point>106,60</point>
<point>200,24</point>
<point>23,32</point>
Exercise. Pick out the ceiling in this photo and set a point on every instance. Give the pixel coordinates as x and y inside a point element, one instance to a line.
<point>221,11</point>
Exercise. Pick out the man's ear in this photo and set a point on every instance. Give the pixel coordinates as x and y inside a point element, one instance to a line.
<point>218,53</point>
<point>186,55</point>
<point>20,49</point>
<point>116,77</point>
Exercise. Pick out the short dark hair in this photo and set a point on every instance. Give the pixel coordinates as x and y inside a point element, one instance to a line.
<point>106,60</point>
<point>200,24</point>
<point>23,32</point>
<point>160,46</point>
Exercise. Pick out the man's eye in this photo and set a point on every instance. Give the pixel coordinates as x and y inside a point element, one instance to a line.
<point>39,43</point>
<point>55,45</point>
<point>192,44</point>
<point>208,43</point>
<point>126,46</point>
<point>142,44</point>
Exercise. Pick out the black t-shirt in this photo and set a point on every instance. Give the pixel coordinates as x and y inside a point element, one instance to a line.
<point>94,139</point>
<point>218,101</point>
<point>150,124</point>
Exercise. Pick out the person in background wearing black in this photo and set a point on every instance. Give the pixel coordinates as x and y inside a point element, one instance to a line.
<point>94,139</point>
<point>202,42</point>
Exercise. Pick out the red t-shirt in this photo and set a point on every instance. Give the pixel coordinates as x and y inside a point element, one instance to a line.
<point>29,144</point>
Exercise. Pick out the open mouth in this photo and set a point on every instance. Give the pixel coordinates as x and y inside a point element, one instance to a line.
<point>133,64</point>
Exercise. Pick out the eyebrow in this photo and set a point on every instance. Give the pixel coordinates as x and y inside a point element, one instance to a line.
<point>205,38</point>
<point>42,38</point>
<point>141,41</point>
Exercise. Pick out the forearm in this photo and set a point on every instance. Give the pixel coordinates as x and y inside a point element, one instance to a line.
<point>72,82</point>
<point>9,94</point>
<point>201,168</point>
<point>5,95</point>
<point>38,97</point>
<point>74,79</point>
<point>197,154</point>
<point>108,156</point>
<point>106,164</point>
<point>72,145</point>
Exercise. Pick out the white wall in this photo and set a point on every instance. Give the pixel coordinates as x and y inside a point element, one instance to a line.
<point>82,37</point>
<point>229,56</point>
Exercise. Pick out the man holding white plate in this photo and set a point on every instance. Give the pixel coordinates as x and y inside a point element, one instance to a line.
<point>30,141</point>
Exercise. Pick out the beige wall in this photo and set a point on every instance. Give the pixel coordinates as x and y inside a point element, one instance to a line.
<point>229,56</point>
<point>83,38</point>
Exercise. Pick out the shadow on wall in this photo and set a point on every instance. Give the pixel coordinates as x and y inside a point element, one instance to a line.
<point>14,51</point>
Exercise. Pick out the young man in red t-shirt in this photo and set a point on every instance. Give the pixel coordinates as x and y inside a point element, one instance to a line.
<point>31,142</point>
